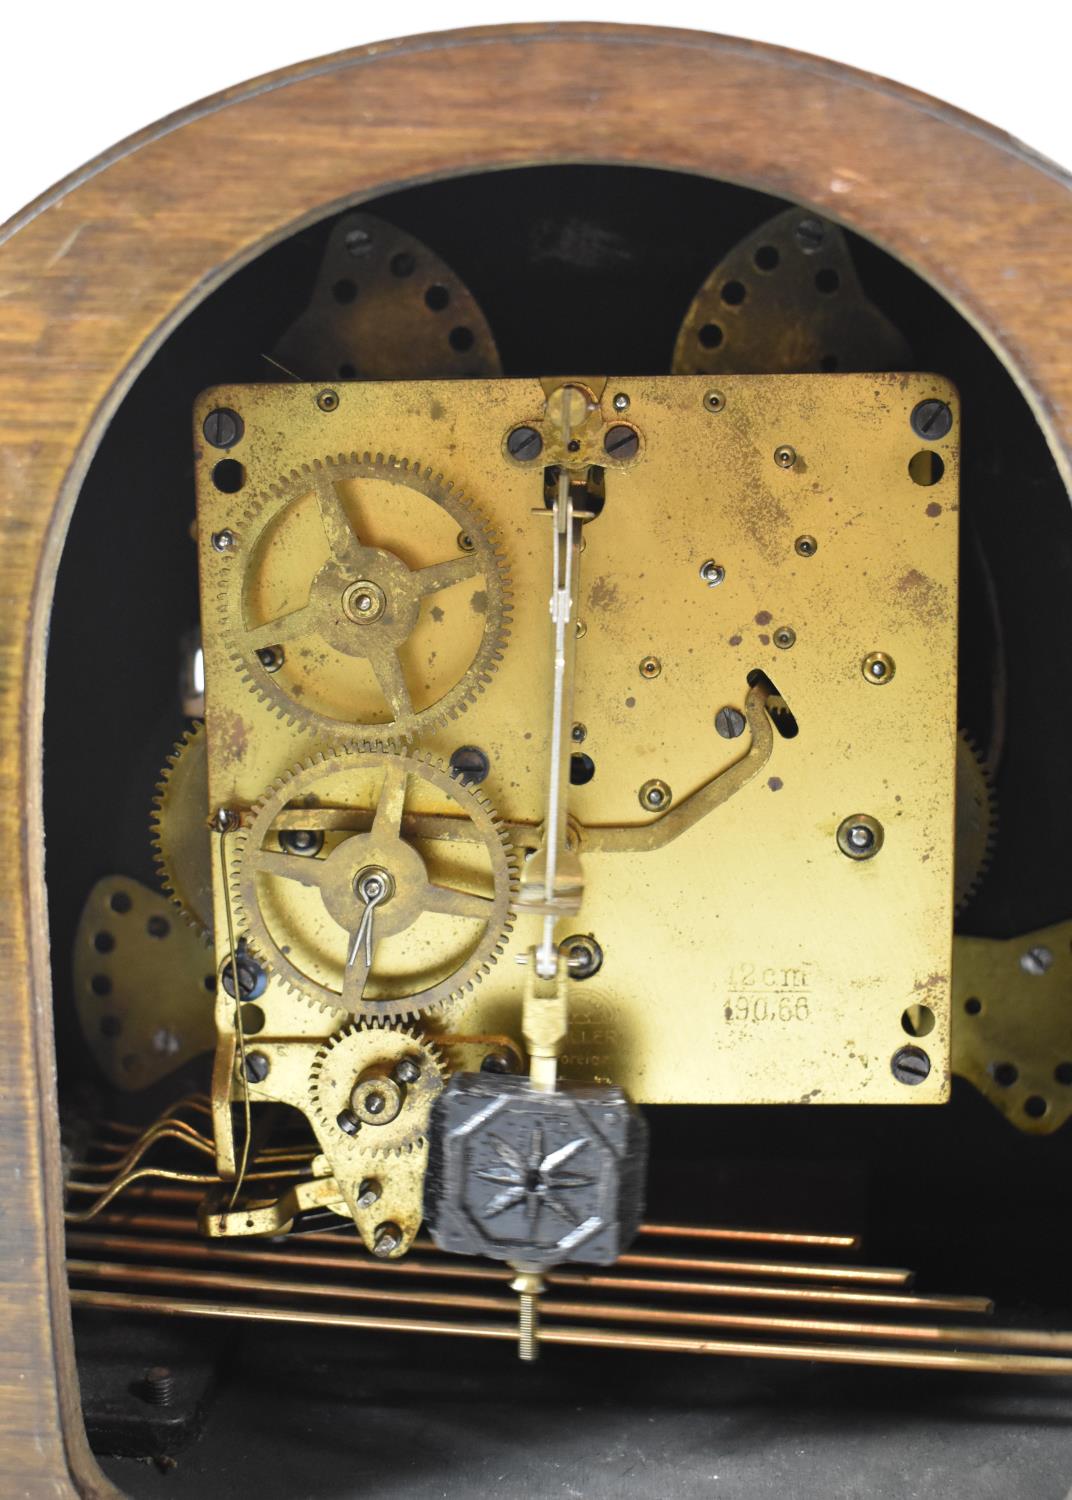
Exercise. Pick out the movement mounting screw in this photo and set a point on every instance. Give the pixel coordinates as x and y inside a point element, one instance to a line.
<point>223,427</point>
<point>910,1065</point>
<point>931,420</point>
<point>524,443</point>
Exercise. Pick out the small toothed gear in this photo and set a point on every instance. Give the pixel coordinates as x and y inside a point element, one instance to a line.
<point>304,598</point>
<point>976,821</point>
<point>308,915</point>
<point>375,1084</point>
<point>182,847</point>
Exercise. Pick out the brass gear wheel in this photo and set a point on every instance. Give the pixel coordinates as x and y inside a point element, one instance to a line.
<point>308,914</point>
<point>377,1083</point>
<point>182,847</point>
<point>308,599</point>
<point>976,821</point>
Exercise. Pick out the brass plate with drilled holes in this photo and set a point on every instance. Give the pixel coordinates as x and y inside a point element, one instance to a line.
<point>144,985</point>
<point>1012,1028</point>
<point>748,959</point>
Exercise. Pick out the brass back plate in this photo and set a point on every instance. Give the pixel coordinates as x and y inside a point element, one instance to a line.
<point>749,960</point>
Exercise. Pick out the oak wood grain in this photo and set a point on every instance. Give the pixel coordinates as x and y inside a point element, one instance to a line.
<point>96,272</point>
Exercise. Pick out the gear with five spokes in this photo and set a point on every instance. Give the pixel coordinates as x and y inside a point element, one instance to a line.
<point>342,627</point>
<point>363,907</point>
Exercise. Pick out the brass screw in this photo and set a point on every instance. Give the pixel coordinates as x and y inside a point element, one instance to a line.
<point>784,637</point>
<point>654,795</point>
<point>528,1285</point>
<point>877,667</point>
<point>807,546</point>
<point>650,667</point>
<point>785,457</point>
<point>328,400</point>
<point>224,541</point>
<point>714,401</point>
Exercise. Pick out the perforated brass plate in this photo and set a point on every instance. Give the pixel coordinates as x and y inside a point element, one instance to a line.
<point>1012,1034</point>
<point>143,984</point>
<point>750,959</point>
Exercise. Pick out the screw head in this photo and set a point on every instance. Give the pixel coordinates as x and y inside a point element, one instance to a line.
<point>712,573</point>
<point>465,542</point>
<point>578,734</point>
<point>860,836</point>
<point>224,541</point>
<point>470,765</point>
<point>654,795</point>
<point>931,420</point>
<point>524,444</point>
<point>714,401</point>
<point>407,1070</point>
<point>810,234</point>
<point>785,456</point>
<point>785,637</point>
<point>223,428</point>
<point>621,402</point>
<point>650,667</point>
<point>252,980</point>
<point>1036,960</point>
<point>388,1239</point>
<point>346,1122</point>
<point>583,955</point>
<point>328,400</point>
<point>621,442</point>
<point>910,1065</point>
<point>878,668</point>
<point>806,546</point>
<point>257,1067</point>
<point>730,723</point>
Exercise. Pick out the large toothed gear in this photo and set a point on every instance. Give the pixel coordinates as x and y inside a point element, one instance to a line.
<point>337,619</point>
<point>182,846</point>
<point>976,821</point>
<point>376,1084</point>
<point>310,913</point>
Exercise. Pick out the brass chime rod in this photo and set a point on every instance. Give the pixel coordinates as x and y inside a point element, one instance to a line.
<point>316,1261</point>
<point>981,1361</point>
<point>985,1337</point>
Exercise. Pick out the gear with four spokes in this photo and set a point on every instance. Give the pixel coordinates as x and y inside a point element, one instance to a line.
<point>325,916</point>
<point>182,848</point>
<point>376,1084</point>
<point>343,635</point>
